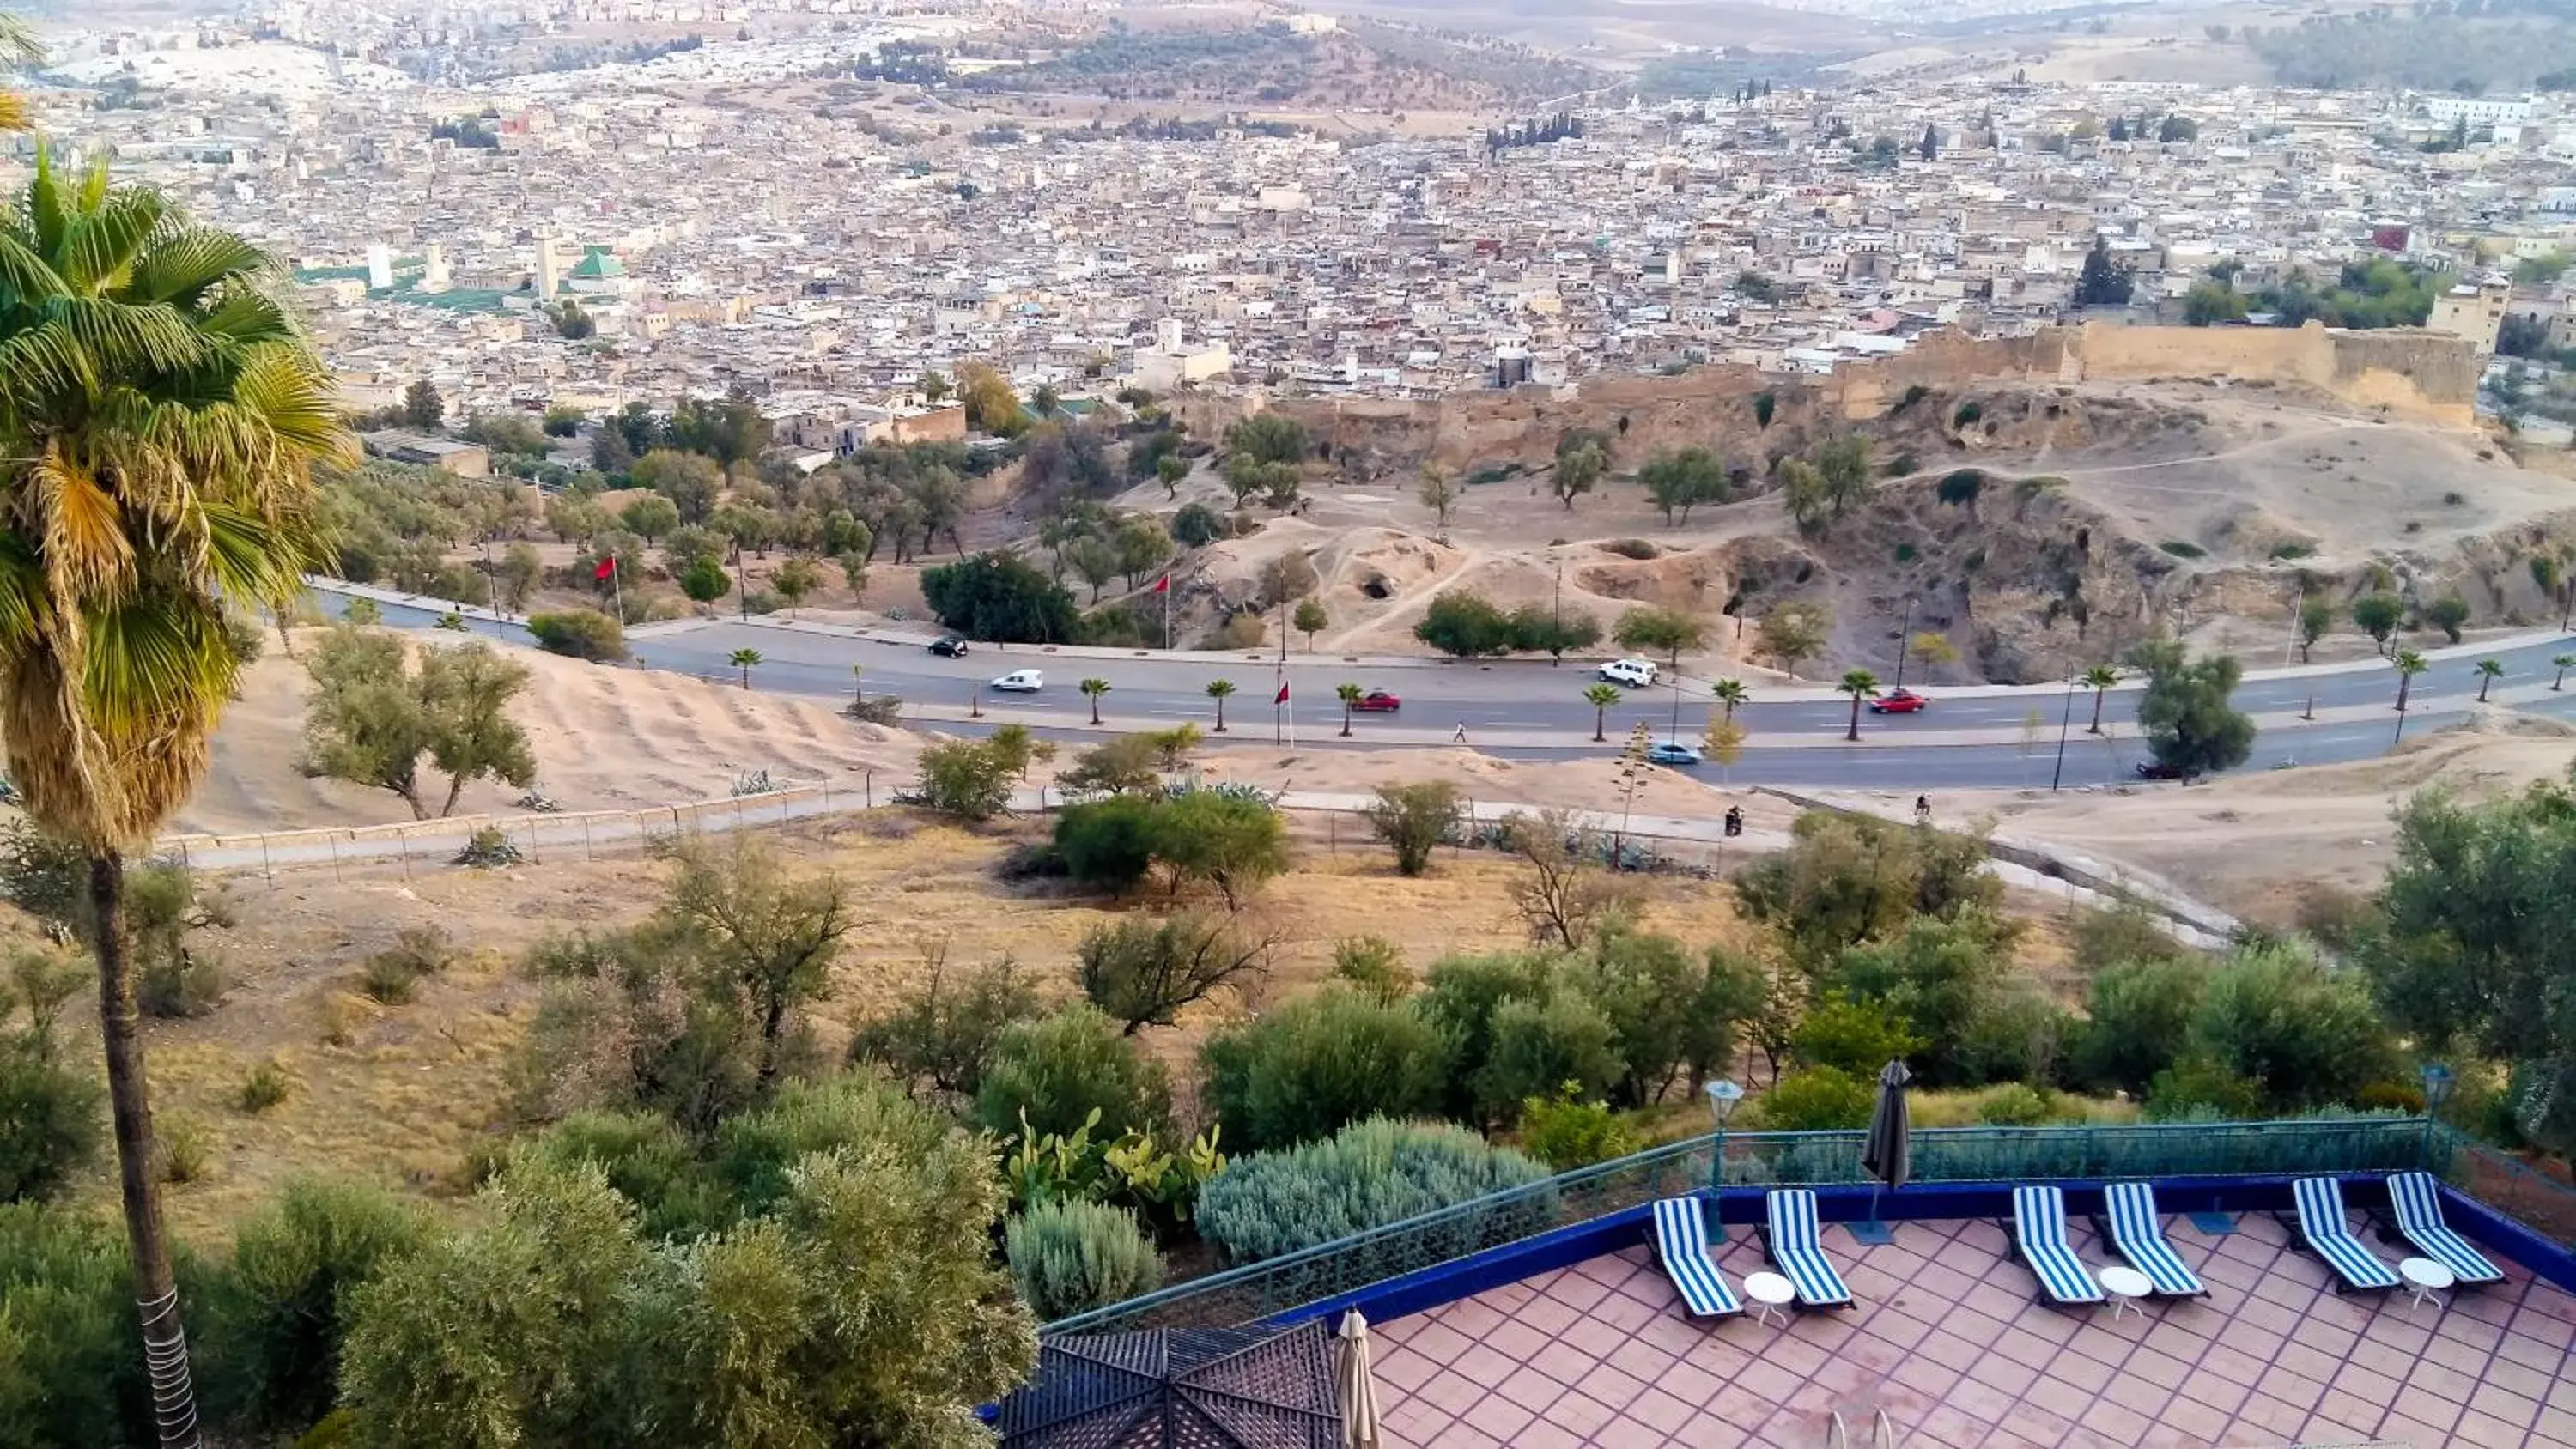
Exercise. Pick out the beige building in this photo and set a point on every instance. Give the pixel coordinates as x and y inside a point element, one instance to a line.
<point>2474,310</point>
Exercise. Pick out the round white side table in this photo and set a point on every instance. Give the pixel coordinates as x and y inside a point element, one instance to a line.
<point>2424,1278</point>
<point>2126,1286</point>
<point>1770,1294</point>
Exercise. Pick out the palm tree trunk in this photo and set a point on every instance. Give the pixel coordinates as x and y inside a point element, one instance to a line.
<point>1600,724</point>
<point>2483,681</point>
<point>156,1296</point>
<point>2095,728</point>
<point>1854,732</point>
<point>1346,721</point>
<point>1220,714</point>
<point>2403,685</point>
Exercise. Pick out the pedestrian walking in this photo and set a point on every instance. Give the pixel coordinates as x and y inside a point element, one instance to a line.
<point>1460,737</point>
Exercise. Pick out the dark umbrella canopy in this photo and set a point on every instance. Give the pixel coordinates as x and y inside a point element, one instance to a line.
<point>1888,1154</point>
<point>1178,1388</point>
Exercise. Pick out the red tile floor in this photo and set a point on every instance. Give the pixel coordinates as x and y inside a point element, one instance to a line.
<point>1948,1340</point>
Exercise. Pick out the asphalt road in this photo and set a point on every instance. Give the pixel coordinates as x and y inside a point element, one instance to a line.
<point>1522,709</point>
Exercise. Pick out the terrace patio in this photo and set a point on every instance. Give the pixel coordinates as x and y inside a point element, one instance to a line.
<point>1948,1340</point>
<point>1539,1319</point>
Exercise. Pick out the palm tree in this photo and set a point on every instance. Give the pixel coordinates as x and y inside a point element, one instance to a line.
<point>1860,684</point>
<point>2489,671</point>
<point>744,659</point>
<point>159,419</point>
<point>1220,690</point>
<point>1730,692</point>
<point>2099,679</point>
<point>17,47</point>
<point>2409,664</point>
<point>858,686</point>
<point>1092,689</point>
<point>1349,695</point>
<point>2563,662</point>
<point>1601,697</point>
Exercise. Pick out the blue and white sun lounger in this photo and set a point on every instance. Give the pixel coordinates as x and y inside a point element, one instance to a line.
<point>2039,1237</point>
<point>1681,1241</point>
<point>2417,1202</point>
<point>1791,1240</point>
<point>2129,1223</point>
<point>2322,1223</point>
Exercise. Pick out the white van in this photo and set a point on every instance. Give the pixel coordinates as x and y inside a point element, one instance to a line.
<point>1634,673</point>
<point>1019,681</point>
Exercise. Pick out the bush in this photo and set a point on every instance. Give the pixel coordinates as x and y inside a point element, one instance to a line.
<point>1055,1071</point>
<point>2014,1105</point>
<point>2304,1036</point>
<point>1367,1175</point>
<point>2199,1087</point>
<point>1961,487</point>
<point>1566,1132</point>
<point>2183,548</point>
<point>181,1151</point>
<point>73,1366</point>
<point>1465,625</point>
<point>579,633</point>
<point>1636,548</point>
<point>2447,614</point>
<point>1142,971</point>
<point>1068,1257</point>
<point>1319,1063</point>
<point>1815,1099</point>
<point>967,778</point>
<point>178,984</point>
<point>488,848</point>
<point>393,975</point>
<point>50,1127</point>
<point>2137,1014</point>
<point>279,1310</point>
<point>1108,844</point>
<point>1414,819</point>
<point>1375,965</point>
<point>266,1086</point>
<point>1966,413</point>
<point>997,596</point>
<point>1196,525</point>
<point>1854,1037</point>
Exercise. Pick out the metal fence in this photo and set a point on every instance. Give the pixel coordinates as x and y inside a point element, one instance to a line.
<point>2520,1191</point>
<point>1960,1154</point>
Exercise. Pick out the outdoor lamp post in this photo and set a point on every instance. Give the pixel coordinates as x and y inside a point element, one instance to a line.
<point>2437,1090</point>
<point>1723,1095</point>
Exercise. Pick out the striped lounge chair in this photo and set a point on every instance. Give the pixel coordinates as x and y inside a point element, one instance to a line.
<point>2039,1239</point>
<point>2416,1203</point>
<point>1790,1239</point>
<point>2130,1225</point>
<point>2321,1222</point>
<point>1681,1241</point>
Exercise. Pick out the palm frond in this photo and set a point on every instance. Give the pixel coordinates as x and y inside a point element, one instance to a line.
<point>291,393</point>
<point>252,559</point>
<point>26,279</point>
<point>14,113</point>
<point>125,338</point>
<point>47,207</point>
<point>102,242</point>
<point>52,755</point>
<point>93,185</point>
<point>79,529</point>
<point>244,313</point>
<point>39,364</point>
<point>23,606</point>
<point>183,266</point>
<point>155,680</point>
<point>18,43</point>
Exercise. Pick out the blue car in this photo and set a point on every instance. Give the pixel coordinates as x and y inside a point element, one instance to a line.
<point>1672,752</point>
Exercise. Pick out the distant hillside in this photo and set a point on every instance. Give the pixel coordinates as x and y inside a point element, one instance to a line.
<point>1363,64</point>
<point>2467,53</point>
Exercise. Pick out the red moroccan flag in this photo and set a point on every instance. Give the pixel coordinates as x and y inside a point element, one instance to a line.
<point>607,568</point>
<point>1162,585</point>
<point>1283,693</point>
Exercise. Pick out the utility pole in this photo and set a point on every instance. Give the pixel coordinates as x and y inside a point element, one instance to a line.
<point>2064,721</point>
<point>1904,640</point>
<point>492,587</point>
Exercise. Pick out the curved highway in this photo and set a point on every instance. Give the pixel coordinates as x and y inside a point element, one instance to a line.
<point>1981,736</point>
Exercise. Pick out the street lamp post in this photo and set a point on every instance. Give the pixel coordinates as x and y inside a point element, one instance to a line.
<point>1723,1095</point>
<point>1904,637</point>
<point>2437,1090</point>
<point>2064,722</point>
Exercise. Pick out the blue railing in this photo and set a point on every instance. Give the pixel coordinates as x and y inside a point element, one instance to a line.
<point>1260,1290</point>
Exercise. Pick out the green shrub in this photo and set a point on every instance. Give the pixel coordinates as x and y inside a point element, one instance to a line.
<point>2014,1105</point>
<point>2136,1015</point>
<point>2183,548</point>
<point>1196,525</point>
<point>1068,1257</point>
<point>580,633</point>
<point>2197,1087</point>
<point>966,778</point>
<point>1960,487</point>
<point>1319,1063</point>
<point>1540,1044</point>
<point>1854,1037</point>
<point>1566,1132</point>
<point>1375,965</point>
<point>1055,1071</point>
<point>647,1158</point>
<point>178,984</point>
<point>72,1370</point>
<point>2293,549</point>
<point>1108,844</point>
<point>182,1153</point>
<point>1966,413</point>
<point>1368,1175</point>
<point>266,1086</point>
<point>50,1127</point>
<point>1815,1099</point>
<point>393,975</point>
<point>279,1310</point>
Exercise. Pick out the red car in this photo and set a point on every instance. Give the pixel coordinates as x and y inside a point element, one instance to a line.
<point>1377,701</point>
<point>1899,701</point>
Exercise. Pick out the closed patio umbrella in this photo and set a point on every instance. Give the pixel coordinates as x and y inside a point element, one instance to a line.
<point>1353,1386</point>
<point>1887,1154</point>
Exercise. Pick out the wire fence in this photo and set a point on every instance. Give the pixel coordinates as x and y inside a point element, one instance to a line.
<point>1259,1290</point>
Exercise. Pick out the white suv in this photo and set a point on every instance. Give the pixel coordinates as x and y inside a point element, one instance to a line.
<point>1634,673</point>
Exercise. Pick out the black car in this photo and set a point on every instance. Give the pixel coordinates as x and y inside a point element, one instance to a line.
<point>949,646</point>
<point>2158,770</point>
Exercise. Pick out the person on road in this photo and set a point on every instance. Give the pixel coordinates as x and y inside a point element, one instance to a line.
<point>1922,809</point>
<point>1460,737</point>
